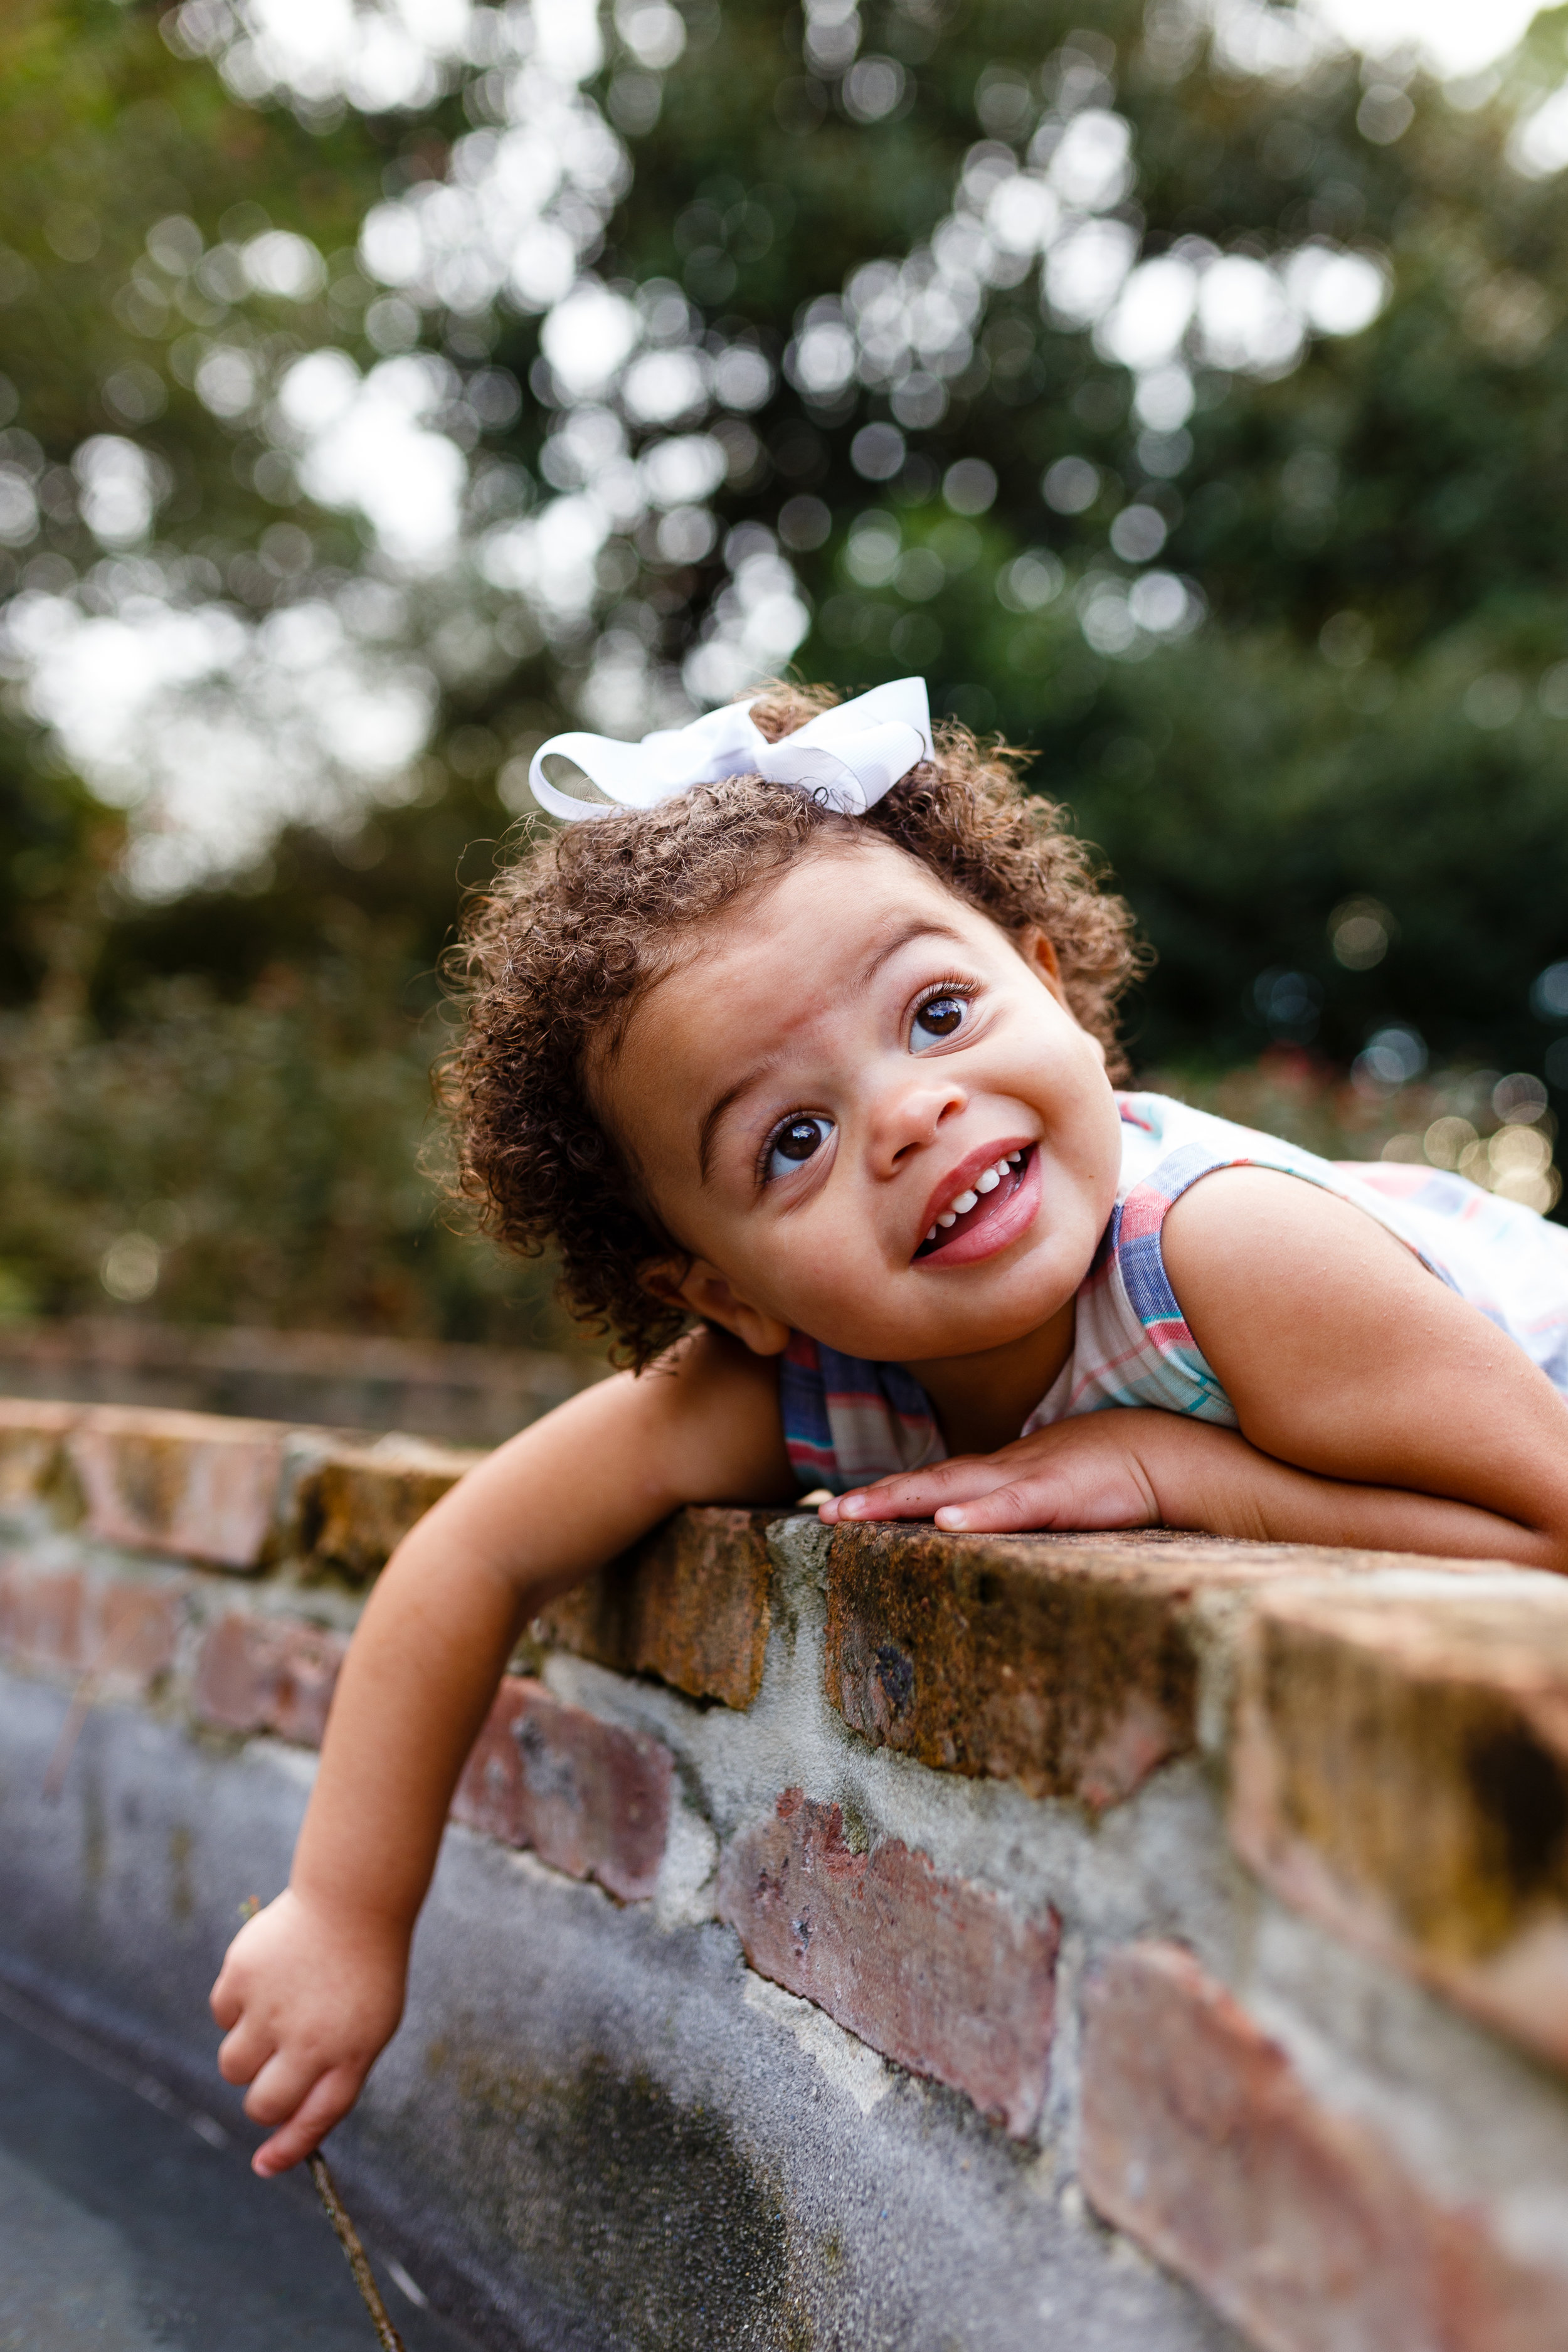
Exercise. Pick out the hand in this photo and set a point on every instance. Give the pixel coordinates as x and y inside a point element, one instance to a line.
<point>308,2000</point>
<point>1097,1470</point>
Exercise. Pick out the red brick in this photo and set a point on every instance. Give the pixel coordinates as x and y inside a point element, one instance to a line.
<point>122,1632</point>
<point>138,1629</point>
<point>192,1484</point>
<point>689,1605</point>
<point>1400,1771</point>
<point>43,1615</point>
<point>269,1674</point>
<point>590,1797</point>
<point>353,1505</point>
<point>936,1973</point>
<point>1300,2223</point>
<point>1067,1663</point>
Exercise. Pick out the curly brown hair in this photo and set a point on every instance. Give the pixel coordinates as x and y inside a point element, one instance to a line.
<point>557,952</point>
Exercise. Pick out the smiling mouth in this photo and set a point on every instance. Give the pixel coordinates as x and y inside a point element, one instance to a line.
<point>975,1208</point>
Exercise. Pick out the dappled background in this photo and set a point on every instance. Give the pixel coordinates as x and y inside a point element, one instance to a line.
<point>1185,392</point>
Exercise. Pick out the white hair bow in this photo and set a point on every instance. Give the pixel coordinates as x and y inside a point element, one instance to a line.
<point>846,760</point>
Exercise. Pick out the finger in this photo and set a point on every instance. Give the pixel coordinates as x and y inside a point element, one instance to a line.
<point>1008,1510</point>
<point>1096,1496</point>
<point>283,2084</point>
<point>228,1996</point>
<point>327,2104</point>
<point>242,2053</point>
<point>902,1494</point>
<point>224,2001</point>
<point>921,1493</point>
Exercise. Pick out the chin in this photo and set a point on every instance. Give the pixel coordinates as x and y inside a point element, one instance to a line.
<point>931,1338</point>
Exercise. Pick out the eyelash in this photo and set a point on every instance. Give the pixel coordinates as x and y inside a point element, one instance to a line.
<point>760,1176</point>
<point>949,986</point>
<point>952,986</point>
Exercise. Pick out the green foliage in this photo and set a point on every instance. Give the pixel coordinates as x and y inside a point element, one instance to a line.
<point>1375,707</point>
<point>1247,782</point>
<point>1496,1132</point>
<point>1373,715</point>
<point>103,134</point>
<point>260,1162</point>
<point>57,848</point>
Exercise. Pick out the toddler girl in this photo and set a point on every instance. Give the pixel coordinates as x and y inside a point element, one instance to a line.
<point>801,1057</point>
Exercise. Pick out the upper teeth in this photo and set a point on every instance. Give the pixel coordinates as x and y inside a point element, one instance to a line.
<point>986,1181</point>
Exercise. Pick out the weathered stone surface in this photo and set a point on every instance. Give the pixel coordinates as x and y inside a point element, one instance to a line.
<point>1302,2222</point>
<point>581,2108</point>
<point>137,1630</point>
<point>121,1632</point>
<point>269,1674</point>
<point>588,1797</point>
<point>196,1484</point>
<point>33,1461</point>
<point>1390,2181</point>
<point>1067,1664</point>
<point>43,1615</point>
<point>353,1504</point>
<point>936,1973</point>
<point>689,1605</point>
<point>1401,1772</point>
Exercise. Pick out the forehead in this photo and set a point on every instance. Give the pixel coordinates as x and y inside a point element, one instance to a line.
<point>871,877</point>
<point>774,962</point>
<point>814,924</point>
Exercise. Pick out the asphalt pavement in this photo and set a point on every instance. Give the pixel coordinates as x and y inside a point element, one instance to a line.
<point>122,2228</point>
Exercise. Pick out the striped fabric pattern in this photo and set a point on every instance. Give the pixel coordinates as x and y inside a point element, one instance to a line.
<point>847,1421</point>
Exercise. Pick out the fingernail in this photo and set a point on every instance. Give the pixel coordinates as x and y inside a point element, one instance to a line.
<point>950,1519</point>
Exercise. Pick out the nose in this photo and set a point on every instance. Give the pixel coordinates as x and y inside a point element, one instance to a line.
<point>910,1106</point>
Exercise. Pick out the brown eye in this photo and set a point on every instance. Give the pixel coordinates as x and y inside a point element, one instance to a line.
<point>941,1018</point>
<point>796,1140</point>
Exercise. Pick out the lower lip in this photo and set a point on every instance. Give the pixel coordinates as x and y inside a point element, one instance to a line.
<point>1012,1217</point>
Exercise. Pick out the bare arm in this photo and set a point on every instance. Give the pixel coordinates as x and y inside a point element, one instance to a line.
<point>1344,1357</point>
<point>313,1987</point>
<point>1377,1409</point>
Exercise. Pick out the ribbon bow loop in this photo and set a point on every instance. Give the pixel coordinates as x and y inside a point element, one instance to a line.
<point>845,759</point>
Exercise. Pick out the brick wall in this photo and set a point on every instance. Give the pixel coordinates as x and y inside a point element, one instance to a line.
<point>1220,1891</point>
<point>441,1389</point>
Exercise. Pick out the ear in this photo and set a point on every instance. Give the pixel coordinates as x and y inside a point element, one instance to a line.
<point>1040,955</point>
<point>706,1292</point>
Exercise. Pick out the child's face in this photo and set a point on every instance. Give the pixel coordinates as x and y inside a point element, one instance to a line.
<point>809,1097</point>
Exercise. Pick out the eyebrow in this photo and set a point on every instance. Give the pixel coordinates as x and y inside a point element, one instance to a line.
<point>919,927</point>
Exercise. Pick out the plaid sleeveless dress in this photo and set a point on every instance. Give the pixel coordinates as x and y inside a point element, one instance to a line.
<point>847,1421</point>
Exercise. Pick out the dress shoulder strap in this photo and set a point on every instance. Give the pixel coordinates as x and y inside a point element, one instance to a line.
<point>1131,1343</point>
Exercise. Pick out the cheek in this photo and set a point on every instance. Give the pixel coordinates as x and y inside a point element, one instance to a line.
<point>817,1256</point>
<point>1109,1155</point>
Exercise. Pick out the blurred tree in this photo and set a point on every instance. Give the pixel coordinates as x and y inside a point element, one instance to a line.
<point>1184,396</point>
<point>222,1096</point>
<point>113,148</point>
<point>261,1162</point>
<point>1375,708</point>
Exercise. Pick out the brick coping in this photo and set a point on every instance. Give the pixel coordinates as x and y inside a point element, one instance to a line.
<point>1392,1733</point>
<point>1385,1739</point>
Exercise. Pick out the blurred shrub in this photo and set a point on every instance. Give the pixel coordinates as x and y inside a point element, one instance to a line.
<point>256,1162</point>
<point>1491,1127</point>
